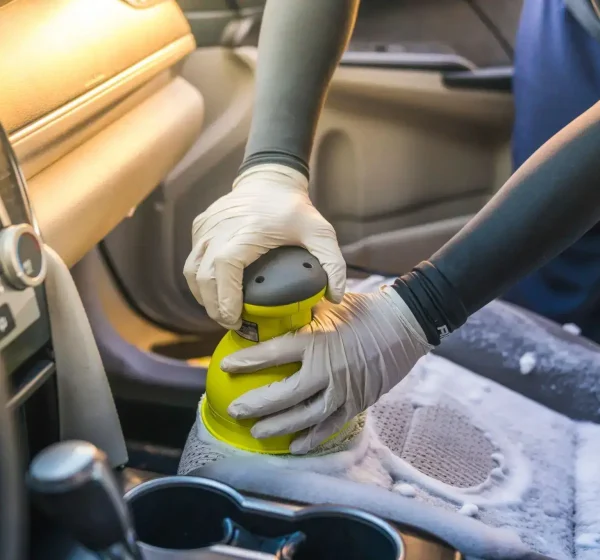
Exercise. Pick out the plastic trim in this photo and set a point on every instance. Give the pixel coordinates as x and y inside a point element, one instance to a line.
<point>486,79</point>
<point>407,61</point>
<point>80,198</point>
<point>134,373</point>
<point>270,509</point>
<point>12,512</point>
<point>33,381</point>
<point>30,139</point>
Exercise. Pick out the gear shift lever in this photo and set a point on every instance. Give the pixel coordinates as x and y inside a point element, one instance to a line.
<point>73,483</point>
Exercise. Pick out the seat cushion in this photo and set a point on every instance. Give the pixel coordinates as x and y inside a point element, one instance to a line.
<point>455,441</point>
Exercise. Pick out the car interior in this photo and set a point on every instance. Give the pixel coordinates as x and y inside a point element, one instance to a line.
<point>122,121</point>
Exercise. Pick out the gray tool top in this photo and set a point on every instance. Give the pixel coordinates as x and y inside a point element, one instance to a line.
<point>282,276</point>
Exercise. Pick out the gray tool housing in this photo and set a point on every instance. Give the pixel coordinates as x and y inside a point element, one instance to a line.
<point>282,276</point>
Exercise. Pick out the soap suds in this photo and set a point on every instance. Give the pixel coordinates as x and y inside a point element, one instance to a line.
<point>587,498</point>
<point>427,384</point>
<point>498,458</point>
<point>572,328</point>
<point>475,396</point>
<point>528,438</point>
<point>470,510</point>
<point>542,540</point>
<point>497,474</point>
<point>405,490</point>
<point>499,335</point>
<point>527,362</point>
<point>588,540</point>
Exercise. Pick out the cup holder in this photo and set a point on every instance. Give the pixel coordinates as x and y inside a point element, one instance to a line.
<point>185,513</point>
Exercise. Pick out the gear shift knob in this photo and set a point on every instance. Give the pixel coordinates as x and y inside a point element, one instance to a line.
<point>73,483</point>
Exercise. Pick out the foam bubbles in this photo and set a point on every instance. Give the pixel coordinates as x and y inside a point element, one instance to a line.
<point>572,328</point>
<point>588,540</point>
<point>470,510</point>
<point>527,362</point>
<point>405,490</point>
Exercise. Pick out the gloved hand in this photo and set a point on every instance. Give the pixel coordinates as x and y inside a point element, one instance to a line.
<point>351,355</point>
<point>267,208</point>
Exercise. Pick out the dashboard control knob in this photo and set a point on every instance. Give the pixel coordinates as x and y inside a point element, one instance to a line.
<point>22,256</point>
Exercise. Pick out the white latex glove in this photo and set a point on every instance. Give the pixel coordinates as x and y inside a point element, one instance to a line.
<point>268,207</point>
<point>351,353</point>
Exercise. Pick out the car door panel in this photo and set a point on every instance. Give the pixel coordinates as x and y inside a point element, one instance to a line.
<point>398,149</point>
<point>94,108</point>
<point>403,156</point>
<point>151,274</point>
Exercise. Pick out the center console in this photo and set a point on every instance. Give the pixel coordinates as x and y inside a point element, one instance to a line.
<point>193,518</point>
<point>179,516</point>
<point>25,338</point>
<point>25,345</point>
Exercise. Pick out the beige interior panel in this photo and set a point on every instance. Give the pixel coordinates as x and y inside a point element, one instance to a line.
<point>351,230</point>
<point>54,51</point>
<point>94,107</point>
<point>48,144</point>
<point>503,164</point>
<point>397,251</point>
<point>85,194</point>
<point>395,150</point>
<point>44,140</point>
<point>226,83</point>
<point>126,322</point>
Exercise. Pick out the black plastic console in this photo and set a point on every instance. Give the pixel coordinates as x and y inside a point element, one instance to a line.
<point>179,518</point>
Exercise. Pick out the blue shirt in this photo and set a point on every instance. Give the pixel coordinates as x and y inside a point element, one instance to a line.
<point>557,78</point>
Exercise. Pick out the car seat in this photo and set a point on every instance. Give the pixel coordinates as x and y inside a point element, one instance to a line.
<point>498,459</point>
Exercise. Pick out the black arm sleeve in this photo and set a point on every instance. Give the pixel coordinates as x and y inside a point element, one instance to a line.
<point>300,45</point>
<point>549,202</point>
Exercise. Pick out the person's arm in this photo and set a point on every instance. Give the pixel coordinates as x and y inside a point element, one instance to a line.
<point>548,203</point>
<point>300,45</point>
<point>301,42</point>
<point>355,352</point>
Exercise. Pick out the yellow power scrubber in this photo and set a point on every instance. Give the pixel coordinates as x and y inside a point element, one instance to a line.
<point>280,290</point>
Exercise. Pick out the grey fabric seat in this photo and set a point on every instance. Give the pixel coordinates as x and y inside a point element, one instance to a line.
<point>453,442</point>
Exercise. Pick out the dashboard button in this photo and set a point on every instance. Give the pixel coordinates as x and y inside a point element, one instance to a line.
<point>22,257</point>
<point>7,321</point>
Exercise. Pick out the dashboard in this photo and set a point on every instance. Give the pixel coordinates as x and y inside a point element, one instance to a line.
<point>93,116</point>
<point>95,109</point>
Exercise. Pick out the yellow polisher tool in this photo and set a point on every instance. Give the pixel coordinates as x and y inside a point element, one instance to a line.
<point>280,290</point>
